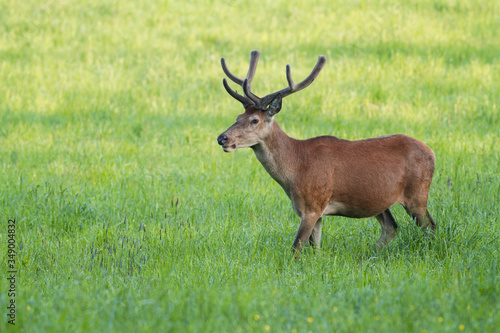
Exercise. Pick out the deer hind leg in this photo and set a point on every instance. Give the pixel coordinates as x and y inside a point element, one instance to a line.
<point>315,238</point>
<point>389,227</point>
<point>419,212</point>
<point>431,220</point>
<point>415,203</point>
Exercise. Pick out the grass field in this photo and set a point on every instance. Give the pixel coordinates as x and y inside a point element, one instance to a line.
<point>130,218</point>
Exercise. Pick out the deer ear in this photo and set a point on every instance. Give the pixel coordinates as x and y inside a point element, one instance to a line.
<point>275,105</point>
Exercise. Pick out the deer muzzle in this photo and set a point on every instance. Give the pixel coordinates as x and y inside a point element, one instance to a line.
<point>222,139</point>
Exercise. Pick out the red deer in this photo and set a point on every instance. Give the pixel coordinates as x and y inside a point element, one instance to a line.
<point>325,175</point>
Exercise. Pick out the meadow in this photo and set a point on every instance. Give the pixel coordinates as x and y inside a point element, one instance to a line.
<point>130,218</point>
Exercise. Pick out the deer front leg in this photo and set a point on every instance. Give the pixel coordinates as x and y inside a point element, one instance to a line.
<point>307,223</point>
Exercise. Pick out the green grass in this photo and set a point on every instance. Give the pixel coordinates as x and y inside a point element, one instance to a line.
<point>131,218</point>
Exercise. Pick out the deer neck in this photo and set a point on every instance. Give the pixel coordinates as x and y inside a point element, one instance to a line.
<point>277,154</point>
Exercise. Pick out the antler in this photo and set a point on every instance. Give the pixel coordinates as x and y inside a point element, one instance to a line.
<point>254,59</point>
<point>262,103</point>
<point>248,98</point>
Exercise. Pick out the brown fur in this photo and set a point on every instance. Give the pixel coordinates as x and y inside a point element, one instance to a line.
<point>330,176</point>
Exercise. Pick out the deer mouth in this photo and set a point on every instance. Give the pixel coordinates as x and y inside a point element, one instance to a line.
<point>229,149</point>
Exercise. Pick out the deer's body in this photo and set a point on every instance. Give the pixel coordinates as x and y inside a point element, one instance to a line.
<point>330,176</point>
<point>348,178</point>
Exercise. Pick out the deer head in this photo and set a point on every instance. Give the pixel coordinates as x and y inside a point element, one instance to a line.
<point>255,123</point>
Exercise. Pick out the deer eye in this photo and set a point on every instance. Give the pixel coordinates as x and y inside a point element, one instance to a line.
<point>255,121</point>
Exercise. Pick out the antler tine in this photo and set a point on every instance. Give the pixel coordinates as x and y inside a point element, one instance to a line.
<point>289,76</point>
<point>292,87</point>
<point>244,100</point>
<point>254,59</point>
<point>230,75</point>
<point>256,100</point>
<point>314,74</point>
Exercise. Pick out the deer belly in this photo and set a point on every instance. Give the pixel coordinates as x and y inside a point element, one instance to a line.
<point>341,209</point>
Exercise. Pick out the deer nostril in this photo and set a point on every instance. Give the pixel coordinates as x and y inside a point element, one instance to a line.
<point>222,139</point>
